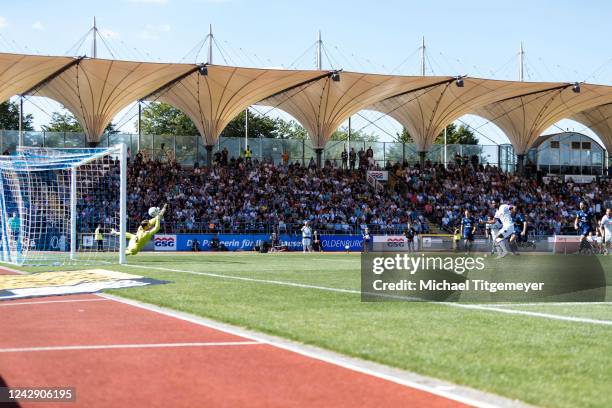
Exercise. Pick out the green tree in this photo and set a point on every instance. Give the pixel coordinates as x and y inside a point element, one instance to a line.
<point>63,122</point>
<point>66,122</point>
<point>9,117</point>
<point>461,135</point>
<point>259,126</point>
<point>163,119</point>
<point>404,136</point>
<point>290,129</point>
<point>356,136</point>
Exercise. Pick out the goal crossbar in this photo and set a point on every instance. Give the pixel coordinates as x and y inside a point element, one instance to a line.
<point>50,196</point>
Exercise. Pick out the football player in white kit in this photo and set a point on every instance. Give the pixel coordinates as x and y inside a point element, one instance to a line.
<point>504,215</point>
<point>605,227</point>
<point>493,226</point>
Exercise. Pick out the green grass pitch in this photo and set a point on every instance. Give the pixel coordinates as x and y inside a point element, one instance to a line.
<point>539,360</point>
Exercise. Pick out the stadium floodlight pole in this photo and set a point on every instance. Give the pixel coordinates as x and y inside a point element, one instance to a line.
<point>246,128</point>
<point>210,45</point>
<point>423,56</point>
<point>20,120</point>
<point>319,52</point>
<point>521,62</point>
<point>73,212</point>
<point>445,147</point>
<point>94,48</point>
<point>122,200</point>
<point>348,146</point>
<point>139,126</point>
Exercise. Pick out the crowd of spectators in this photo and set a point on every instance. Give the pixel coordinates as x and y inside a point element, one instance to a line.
<point>238,195</point>
<point>549,204</point>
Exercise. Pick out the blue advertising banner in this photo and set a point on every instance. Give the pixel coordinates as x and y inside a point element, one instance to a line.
<point>246,242</point>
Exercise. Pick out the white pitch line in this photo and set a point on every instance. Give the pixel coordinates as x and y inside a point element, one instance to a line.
<point>534,314</point>
<point>545,304</point>
<point>281,344</point>
<point>273,282</point>
<point>356,292</point>
<point>42,302</point>
<point>128,346</point>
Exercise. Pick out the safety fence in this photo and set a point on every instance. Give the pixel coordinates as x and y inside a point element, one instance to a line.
<point>188,150</point>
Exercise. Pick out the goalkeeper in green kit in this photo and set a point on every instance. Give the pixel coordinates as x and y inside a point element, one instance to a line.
<point>145,232</point>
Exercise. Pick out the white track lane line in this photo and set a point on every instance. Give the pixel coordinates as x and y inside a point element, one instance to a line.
<point>296,348</point>
<point>356,292</point>
<point>43,302</point>
<point>128,346</point>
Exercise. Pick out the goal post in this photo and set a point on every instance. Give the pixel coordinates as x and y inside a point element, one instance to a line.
<point>59,206</point>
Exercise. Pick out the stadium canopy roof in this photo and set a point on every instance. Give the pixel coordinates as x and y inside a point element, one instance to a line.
<point>95,90</point>
<point>426,112</point>
<point>524,118</point>
<point>18,73</point>
<point>323,105</point>
<point>599,120</point>
<point>213,95</point>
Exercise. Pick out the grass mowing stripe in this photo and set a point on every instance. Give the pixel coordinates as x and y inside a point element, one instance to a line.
<point>443,389</point>
<point>350,291</point>
<point>544,362</point>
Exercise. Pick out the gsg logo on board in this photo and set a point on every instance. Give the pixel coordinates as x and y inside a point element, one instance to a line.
<point>395,242</point>
<point>163,242</point>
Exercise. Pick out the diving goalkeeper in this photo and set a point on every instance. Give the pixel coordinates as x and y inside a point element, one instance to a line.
<point>145,232</point>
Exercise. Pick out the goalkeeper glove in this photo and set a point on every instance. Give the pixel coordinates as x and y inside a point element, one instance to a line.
<point>163,210</point>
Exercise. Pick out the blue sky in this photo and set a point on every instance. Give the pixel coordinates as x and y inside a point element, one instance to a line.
<point>563,40</point>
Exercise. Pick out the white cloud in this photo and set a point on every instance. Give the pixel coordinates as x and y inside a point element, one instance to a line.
<point>38,25</point>
<point>113,35</point>
<point>153,32</point>
<point>3,22</point>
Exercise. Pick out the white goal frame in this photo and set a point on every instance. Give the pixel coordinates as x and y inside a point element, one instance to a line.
<point>48,157</point>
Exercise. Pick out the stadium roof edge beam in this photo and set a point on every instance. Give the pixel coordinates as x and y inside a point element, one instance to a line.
<point>20,73</point>
<point>216,95</point>
<point>322,106</point>
<point>95,90</point>
<point>525,117</point>
<point>599,120</point>
<point>426,112</point>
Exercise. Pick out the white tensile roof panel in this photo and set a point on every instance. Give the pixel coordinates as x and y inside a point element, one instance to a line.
<point>214,99</point>
<point>524,118</point>
<point>95,90</point>
<point>426,112</point>
<point>599,120</point>
<point>19,73</point>
<point>323,105</point>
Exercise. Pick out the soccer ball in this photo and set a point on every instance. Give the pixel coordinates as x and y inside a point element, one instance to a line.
<point>154,211</point>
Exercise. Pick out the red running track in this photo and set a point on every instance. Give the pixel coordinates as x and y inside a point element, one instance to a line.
<point>119,355</point>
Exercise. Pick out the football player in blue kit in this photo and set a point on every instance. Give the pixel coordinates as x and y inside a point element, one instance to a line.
<point>468,228</point>
<point>520,230</point>
<point>584,225</point>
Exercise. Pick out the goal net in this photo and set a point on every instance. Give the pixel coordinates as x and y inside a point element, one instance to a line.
<point>58,206</point>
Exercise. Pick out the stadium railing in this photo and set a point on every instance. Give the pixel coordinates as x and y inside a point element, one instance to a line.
<point>190,149</point>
